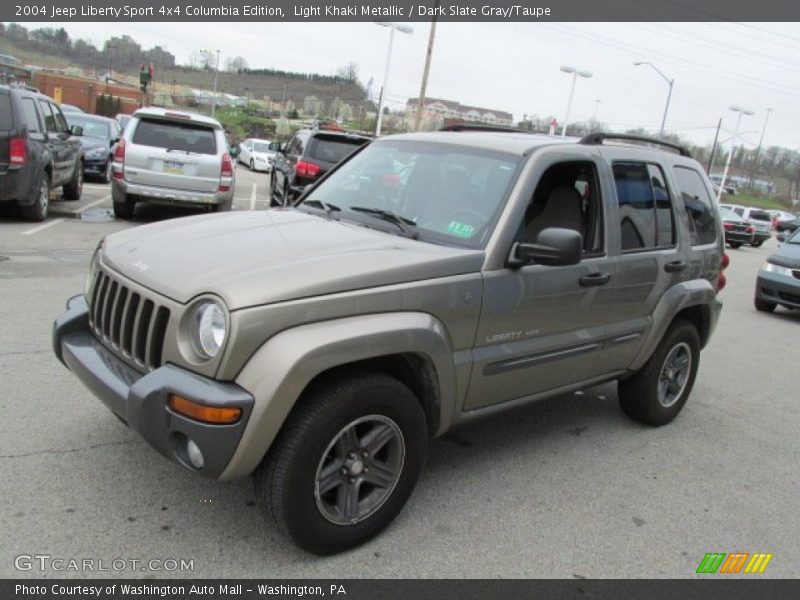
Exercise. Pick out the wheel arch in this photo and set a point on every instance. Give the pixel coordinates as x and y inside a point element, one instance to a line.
<point>412,347</point>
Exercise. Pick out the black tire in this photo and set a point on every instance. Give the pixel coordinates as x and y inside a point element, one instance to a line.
<point>222,206</point>
<point>37,210</point>
<point>123,205</point>
<point>735,245</point>
<point>640,396</point>
<point>286,482</point>
<point>273,195</point>
<point>252,165</point>
<point>756,243</point>
<point>74,189</point>
<point>764,306</point>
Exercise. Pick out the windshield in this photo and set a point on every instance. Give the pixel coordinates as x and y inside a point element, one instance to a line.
<point>727,213</point>
<point>448,194</point>
<point>261,147</point>
<point>91,127</point>
<point>795,237</point>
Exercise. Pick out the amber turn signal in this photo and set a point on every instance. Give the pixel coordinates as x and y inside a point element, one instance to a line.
<point>201,412</point>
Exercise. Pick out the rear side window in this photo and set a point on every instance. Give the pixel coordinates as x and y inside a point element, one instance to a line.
<point>49,119</point>
<point>698,204</point>
<point>30,116</point>
<point>185,137</point>
<point>6,118</point>
<point>333,150</point>
<point>645,214</point>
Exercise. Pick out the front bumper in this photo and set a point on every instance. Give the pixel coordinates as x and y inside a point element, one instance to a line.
<point>95,166</point>
<point>140,400</point>
<point>778,289</point>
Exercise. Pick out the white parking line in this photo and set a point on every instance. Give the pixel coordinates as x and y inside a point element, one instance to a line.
<point>253,198</point>
<point>42,227</point>
<point>105,198</point>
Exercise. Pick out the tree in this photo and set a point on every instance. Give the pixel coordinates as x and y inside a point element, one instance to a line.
<point>348,72</point>
<point>293,114</point>
<point>236,64</point>
<point>17,32</point>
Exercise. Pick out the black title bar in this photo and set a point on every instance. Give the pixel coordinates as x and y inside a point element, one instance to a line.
<point>398,11</point>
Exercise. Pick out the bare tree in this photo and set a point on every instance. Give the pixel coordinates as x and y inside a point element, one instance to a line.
<point>236,64</point>
<point>348,72</point>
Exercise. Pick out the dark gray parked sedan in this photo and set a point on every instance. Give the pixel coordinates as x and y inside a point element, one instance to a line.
<point>779,279</point>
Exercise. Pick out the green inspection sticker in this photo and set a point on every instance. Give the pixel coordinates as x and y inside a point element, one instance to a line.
<point>460,229</point>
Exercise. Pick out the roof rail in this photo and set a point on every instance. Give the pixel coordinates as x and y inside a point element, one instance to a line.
<point>596,139</point>
<point>479,127</point>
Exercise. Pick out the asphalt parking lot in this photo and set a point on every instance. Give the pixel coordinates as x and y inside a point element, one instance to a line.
<point>568,487</point>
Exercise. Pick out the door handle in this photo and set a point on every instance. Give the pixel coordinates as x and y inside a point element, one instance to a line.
<point>595,279</point>
<point>675,266</point>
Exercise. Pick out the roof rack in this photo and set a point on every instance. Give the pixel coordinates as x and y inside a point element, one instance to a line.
<point>596,139</point>
<point>478,127</point>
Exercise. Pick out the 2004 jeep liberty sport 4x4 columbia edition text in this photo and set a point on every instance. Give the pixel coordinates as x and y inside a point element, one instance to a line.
<point>429,279</point>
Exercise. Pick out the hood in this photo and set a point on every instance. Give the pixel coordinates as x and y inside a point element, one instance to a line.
<point>253,258</point>
<point>788,255</point>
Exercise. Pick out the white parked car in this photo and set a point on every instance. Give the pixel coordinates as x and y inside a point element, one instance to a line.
<point>256,154</point>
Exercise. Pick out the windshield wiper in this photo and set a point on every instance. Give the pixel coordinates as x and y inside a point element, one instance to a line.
<point>328,208</point>
<point>402,223</point>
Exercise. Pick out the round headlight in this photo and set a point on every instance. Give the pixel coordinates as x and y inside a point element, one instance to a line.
<point>208,329</point>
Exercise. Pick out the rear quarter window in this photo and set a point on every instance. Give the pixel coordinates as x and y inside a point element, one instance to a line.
<point>185,137</point>
<point>698,205</point>
<point>6,118</point>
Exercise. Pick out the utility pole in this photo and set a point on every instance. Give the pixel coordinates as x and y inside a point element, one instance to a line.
<point>754,166</point>
<point>423,87</point>
<point>714,148</point>
<point>216,74</point>
<point>741,111</point>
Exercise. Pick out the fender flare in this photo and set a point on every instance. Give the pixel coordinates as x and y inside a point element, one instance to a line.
<point>282,367</point>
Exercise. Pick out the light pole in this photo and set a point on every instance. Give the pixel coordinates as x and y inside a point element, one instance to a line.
<point>596,108</point>
<point>741,111</point>
<point>392,27</point>
<point>426,70</point>
<point>216,74</point>
<point>575,73</point>
<point>670,83</point>
<point>758,148</point>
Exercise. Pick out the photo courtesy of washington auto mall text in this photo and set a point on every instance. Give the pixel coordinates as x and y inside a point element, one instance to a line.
<point>399,299</point>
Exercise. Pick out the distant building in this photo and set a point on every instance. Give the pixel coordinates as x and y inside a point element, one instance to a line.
<point>437,110</point>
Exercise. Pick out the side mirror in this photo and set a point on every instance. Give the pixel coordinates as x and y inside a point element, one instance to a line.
<point>554,247</point>
<point>76,130</point>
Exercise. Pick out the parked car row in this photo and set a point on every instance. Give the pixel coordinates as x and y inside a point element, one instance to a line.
<point>778,281</point>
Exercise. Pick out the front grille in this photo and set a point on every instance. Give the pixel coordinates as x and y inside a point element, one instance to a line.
<point>796,273</point>
<point>127,322</point>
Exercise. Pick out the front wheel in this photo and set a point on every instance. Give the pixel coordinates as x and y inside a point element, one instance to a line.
<point>756,243</point>
<point>74,189</point>
<point>656,394</point>
<point>345,462</point>
<point>764,306</point>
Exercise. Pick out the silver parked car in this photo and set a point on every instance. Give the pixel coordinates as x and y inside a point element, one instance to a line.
<point>171,157</point>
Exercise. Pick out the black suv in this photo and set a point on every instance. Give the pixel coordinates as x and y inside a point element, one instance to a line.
<point>37,151</point>
<point>306,158</point>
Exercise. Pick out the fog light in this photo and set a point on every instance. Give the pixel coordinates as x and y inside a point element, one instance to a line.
<point>194,454</point>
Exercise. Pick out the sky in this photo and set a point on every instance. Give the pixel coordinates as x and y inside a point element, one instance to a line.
<point>515,67</point>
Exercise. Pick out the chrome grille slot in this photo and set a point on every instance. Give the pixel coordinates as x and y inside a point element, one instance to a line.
<point>129,324</point>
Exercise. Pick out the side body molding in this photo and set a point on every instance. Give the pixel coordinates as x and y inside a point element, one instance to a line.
<point>280,370</point>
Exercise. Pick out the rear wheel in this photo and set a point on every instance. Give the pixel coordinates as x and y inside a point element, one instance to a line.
<point>756,243</point>
<point>222,206</point>
<point>107,172</point>
<point>274,199</point>
<point>345,462</point>
<point>764,306</point>
<point>124,205</point>
<point>657,393</point>
<point>735,245</point>
<point>37,210</point>
<point>74,189</point>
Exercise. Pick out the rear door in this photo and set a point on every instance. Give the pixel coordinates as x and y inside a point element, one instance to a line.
<point>176,155</point>
<point>56,143</point>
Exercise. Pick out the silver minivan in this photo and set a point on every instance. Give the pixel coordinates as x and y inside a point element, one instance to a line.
<point>172,157</point>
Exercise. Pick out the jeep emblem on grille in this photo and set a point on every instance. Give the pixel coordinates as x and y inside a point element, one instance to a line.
<point>142,266</point>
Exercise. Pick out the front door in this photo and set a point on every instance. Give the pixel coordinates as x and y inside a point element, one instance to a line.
<point>542,327</point>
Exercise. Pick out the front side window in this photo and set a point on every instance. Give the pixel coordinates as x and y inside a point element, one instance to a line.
<point>567,197</point>
<point>61,122</point>
<point>645,213</point>
<point>699,206</point>
<point>49,119</point>
<point>442,193</point>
